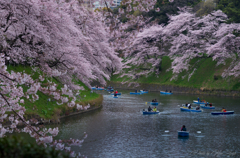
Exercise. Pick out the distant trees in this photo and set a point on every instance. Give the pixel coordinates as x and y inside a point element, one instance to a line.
<point>231,8</point>
<point>204,7</point>
<point>168,8</point>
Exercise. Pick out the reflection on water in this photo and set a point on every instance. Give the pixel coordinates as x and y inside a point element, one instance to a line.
<point>120,130</point>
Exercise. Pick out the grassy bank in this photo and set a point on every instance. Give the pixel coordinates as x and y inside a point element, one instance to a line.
<point>206,75</point>
<point>42,108</point>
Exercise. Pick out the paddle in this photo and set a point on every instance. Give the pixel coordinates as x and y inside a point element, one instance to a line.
<point>167,131</point>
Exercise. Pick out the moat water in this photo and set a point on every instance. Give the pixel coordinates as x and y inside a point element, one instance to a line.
<point>119,130</point>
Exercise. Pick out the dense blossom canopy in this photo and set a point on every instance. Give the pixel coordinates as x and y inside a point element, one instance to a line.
<point>184,38</point>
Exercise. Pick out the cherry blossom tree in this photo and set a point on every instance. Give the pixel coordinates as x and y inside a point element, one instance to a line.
<point>61,38</point>
<point>184,38</point>
<point>57,35</point>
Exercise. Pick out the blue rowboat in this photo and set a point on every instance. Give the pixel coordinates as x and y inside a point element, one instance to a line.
<point>115,96</point>
<point>189,110</point>
<point>223,113</point>
<point>143,91</point>
<point>183,133</point>
<point>110,90</point>
<point>116,93</point>
<point>138,93</point>
<point>162,92</point>
<point>196,102</point>
<point>154,103</point>
<point>94,88</point>
<point>206,107</point>
<point>149,112</point>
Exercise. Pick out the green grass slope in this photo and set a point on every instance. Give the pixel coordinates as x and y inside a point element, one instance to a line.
<point>206,75</point>
<point>50,109</point>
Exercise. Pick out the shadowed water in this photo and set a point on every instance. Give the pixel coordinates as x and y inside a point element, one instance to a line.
<point>119,129</point>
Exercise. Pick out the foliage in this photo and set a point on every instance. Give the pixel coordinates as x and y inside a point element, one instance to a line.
<point>231,8</point>
<point>168,8</point>
<point>204,7</point>
<point>18,148</point>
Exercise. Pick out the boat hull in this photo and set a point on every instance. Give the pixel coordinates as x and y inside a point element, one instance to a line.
<point>183,133</point>
<point>196,102</point>
<point>223,113</point>
<point>94,88</point>
<point>116,93</point>
<point>154,103</point>
<point>206,107</point>
<point>149,112</point>
<point>162,92</point>
<point>135,93</point>
<point>143,91</point>
<point>189,110</point>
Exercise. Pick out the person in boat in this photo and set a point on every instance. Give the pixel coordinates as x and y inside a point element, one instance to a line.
<point>166,90</point>
<point>155,100</point>
<point>135,91</point>
<point>183,128</point>
<point>186,105</point>
<point>155,109</point>
<point>198,99</point>
<point>197,108</point>
<point>96,86</point>
<point>149,109</point>
<point>189,106</point>
<point>115,93</point>
<point>170,91</point>
<point>224,110</point>
<point>210,104</point>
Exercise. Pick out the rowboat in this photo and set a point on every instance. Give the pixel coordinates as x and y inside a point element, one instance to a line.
<point>116,93</point>
<point>183,133</point>
<point>162,92</point>
<point>206,107</point>
<point>136,93</point>
<point>143,91</point>
<point>196,102</point>
<point>189,110</point>
<point>100,88</point>
<point>149,112</point>
<point>110,90</point>
<point>154,103</point>
<point>223,113</point>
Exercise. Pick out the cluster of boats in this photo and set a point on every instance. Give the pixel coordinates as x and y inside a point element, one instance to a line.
<point>139,92</point>
<point>203,105</point>
<point>144,91</point>
<point>108,89</point>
